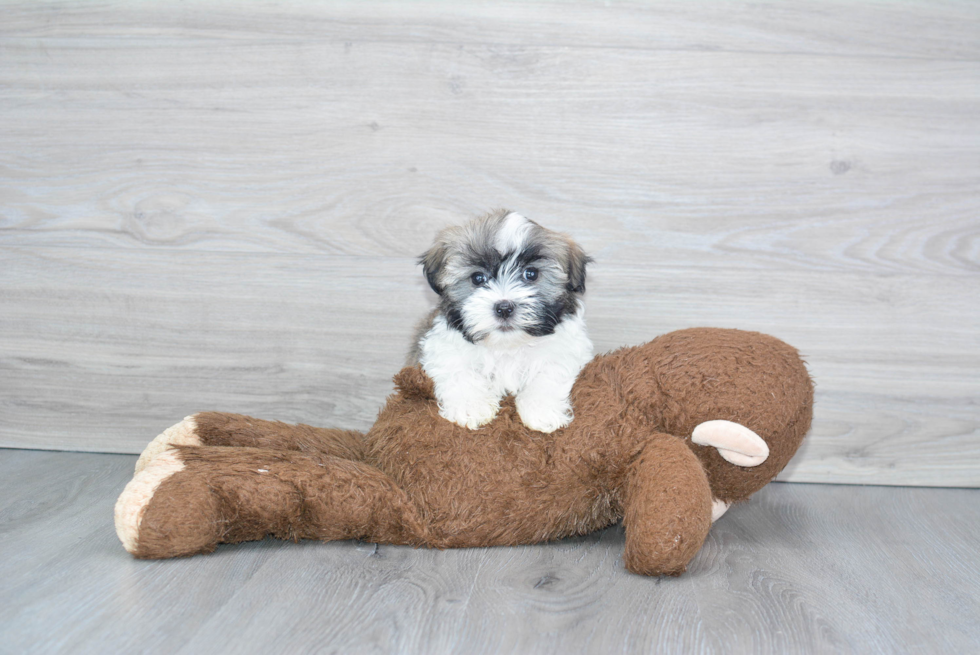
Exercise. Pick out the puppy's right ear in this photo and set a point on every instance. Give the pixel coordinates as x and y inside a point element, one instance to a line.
<point>432,263</point>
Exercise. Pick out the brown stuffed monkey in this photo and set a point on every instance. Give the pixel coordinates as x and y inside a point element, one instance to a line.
<point>666,436</point>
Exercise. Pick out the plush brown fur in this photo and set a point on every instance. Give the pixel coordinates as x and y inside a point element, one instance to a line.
<point>418,479</point>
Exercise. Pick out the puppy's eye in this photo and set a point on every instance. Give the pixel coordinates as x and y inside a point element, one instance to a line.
<point>531,274</point>
<point>479,279</point>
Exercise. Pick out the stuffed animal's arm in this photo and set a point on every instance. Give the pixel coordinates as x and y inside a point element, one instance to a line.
<point>667,507</point>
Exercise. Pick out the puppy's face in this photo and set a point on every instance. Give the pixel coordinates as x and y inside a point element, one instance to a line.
<point>503,277</point>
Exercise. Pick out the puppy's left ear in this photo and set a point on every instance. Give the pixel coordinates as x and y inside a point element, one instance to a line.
<point>432,262</point>
<point>577,261</point>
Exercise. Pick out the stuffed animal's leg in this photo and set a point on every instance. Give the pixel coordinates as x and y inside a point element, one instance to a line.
<point>667,507</point>
<point>221,429</point>
<point>189,499</point>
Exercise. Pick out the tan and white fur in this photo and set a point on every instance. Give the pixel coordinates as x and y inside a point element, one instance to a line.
<point>509,321</point>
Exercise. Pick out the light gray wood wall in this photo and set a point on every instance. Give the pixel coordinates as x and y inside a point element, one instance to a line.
<point>217,205</point>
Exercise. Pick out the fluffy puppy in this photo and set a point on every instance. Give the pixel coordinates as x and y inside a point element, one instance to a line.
<point>509,321</point>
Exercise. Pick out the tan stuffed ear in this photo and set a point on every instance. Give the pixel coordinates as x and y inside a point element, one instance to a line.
<point>736,443</point>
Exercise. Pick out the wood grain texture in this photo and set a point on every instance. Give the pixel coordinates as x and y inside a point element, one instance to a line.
<point>218,206</point>
<point>798,569</point>
<point>166,334</point>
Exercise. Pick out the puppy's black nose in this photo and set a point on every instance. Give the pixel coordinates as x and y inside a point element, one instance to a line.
<point>504,308</point>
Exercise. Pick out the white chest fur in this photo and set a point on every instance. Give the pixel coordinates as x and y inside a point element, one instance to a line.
<point>471,378</point>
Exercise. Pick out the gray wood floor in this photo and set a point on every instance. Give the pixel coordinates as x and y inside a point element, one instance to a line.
<point>217,205</point>
<point>799,569</point>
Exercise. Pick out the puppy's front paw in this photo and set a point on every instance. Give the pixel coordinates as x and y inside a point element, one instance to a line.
<point>471,414</point>
<point>544,416</point>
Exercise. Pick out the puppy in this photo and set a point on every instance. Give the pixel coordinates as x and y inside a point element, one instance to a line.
<point>509,321</point>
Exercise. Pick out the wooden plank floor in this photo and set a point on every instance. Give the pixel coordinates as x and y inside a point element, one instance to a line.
<point>799,569</point>
<point>218,205</point>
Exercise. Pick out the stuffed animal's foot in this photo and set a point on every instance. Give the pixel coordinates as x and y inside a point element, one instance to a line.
<point>182,434</point>
<point>736,443</point>
<point>136,497</point>
<point>718,509</point>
